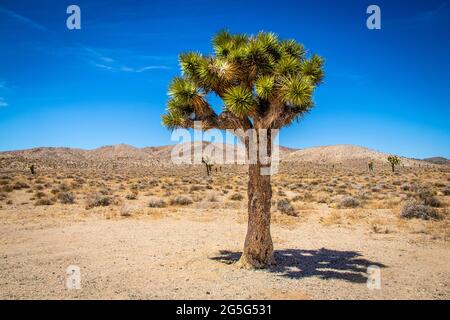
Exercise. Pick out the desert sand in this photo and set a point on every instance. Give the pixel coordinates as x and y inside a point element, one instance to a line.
<point>141,229</point>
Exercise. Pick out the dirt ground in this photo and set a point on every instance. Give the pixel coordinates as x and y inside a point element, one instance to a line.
<point>190,257</point>
<point>177,236</point>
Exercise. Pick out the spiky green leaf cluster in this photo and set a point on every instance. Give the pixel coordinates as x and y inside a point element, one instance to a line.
<point>259,77</point>
<point>394,160</point>
<point>239,100</point>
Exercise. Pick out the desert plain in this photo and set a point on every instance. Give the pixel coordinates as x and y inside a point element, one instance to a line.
<point>139,227</point>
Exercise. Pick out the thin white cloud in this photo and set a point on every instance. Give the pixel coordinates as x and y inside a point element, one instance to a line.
<point>22,19</point>
<point>153,68</point>
<point>102,61</point>
<point>3,103</point>
<point>127,69</point>
<point>103,66</point>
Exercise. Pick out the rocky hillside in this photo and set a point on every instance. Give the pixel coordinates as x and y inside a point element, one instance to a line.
<point>125,156</point>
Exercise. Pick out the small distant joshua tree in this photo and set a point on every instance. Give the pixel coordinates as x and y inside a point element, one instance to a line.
<point>208,166</point>
<point>394,161</point>
<point>265,84</point>
<point>370,165</point>
<point>32,169</point>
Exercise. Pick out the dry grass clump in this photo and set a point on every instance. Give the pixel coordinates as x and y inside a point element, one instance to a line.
<point>349,202</point>
<point>236,197</point>
<point>196,187</point>
<point>334,217</point>
<point>414,209</point>
<point>128,211</point>
<point>212,197</point>
<point>285,207</point>
<point>40,195</point>
<point>19,185</point>
<point>446,191</point>
<point>44,202</point>
<point>427,197</point>
<point>98,200</point>
<point>132,196</point>
<point>66,197</point>
<point>7,188</point>
<point>156,203</point>
<point>181,200</point>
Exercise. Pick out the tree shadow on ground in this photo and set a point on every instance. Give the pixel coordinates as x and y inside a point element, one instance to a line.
<point>323,263</point>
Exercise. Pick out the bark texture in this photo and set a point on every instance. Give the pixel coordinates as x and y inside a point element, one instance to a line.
<point>258,246</point>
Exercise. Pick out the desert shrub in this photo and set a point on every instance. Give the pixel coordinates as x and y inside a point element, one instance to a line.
<point>4,182</point>
<point>362,194</point>
<point>212,197</point>
<point>104,191</point>
<point>328,189</point>
<point>44,202</point>
<point>99,200</point>
<point>63,187</point>
<point>413,209</point>
<point>236,197</point>
<point>375,189</point>
<point>285,207</point>
<point>281,193</point>
<point>20,185</point>
<point>152,182</point>
<point>3,196</point>
<point>322,199</point>
<point>7,188</point>
<point>406,187</point>
<point>195,187</point>
<point>156,203</point>
<point>446,191</point>
<point>66,198</point>
<point>40,195</point>
<point>349,202</point>
<point>308,196</point>
<point>132,196</point>
<point>428,198</point>
<point>128,211</point>
<point>181,200</point>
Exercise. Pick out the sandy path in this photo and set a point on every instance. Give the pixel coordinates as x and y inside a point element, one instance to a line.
<point>183,258</point>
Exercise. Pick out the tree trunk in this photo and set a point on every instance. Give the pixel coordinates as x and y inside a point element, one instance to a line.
<point>258,246</point>
<point>393,167</point>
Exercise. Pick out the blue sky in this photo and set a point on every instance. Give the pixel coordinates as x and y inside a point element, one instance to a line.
<point>107,83</point>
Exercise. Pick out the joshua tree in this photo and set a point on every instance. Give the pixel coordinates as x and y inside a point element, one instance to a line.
<point>264,83</point>
<point>394,161</point>
<point>208,166</point>
<point>370,164</point>
<point>32,169</point>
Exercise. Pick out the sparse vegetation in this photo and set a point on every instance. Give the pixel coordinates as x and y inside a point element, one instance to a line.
<point>156,203</point>
<point>413,209</point>
<point>99,200</point>
<point>394,161</point>
<point>66,198</point>
<point>349,202</point>
<point>181,200</point>
<point>285,207</point>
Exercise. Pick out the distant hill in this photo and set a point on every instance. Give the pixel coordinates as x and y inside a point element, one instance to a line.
<point>123,156</point>
<point>344,154</point>
<point>438,160</point>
